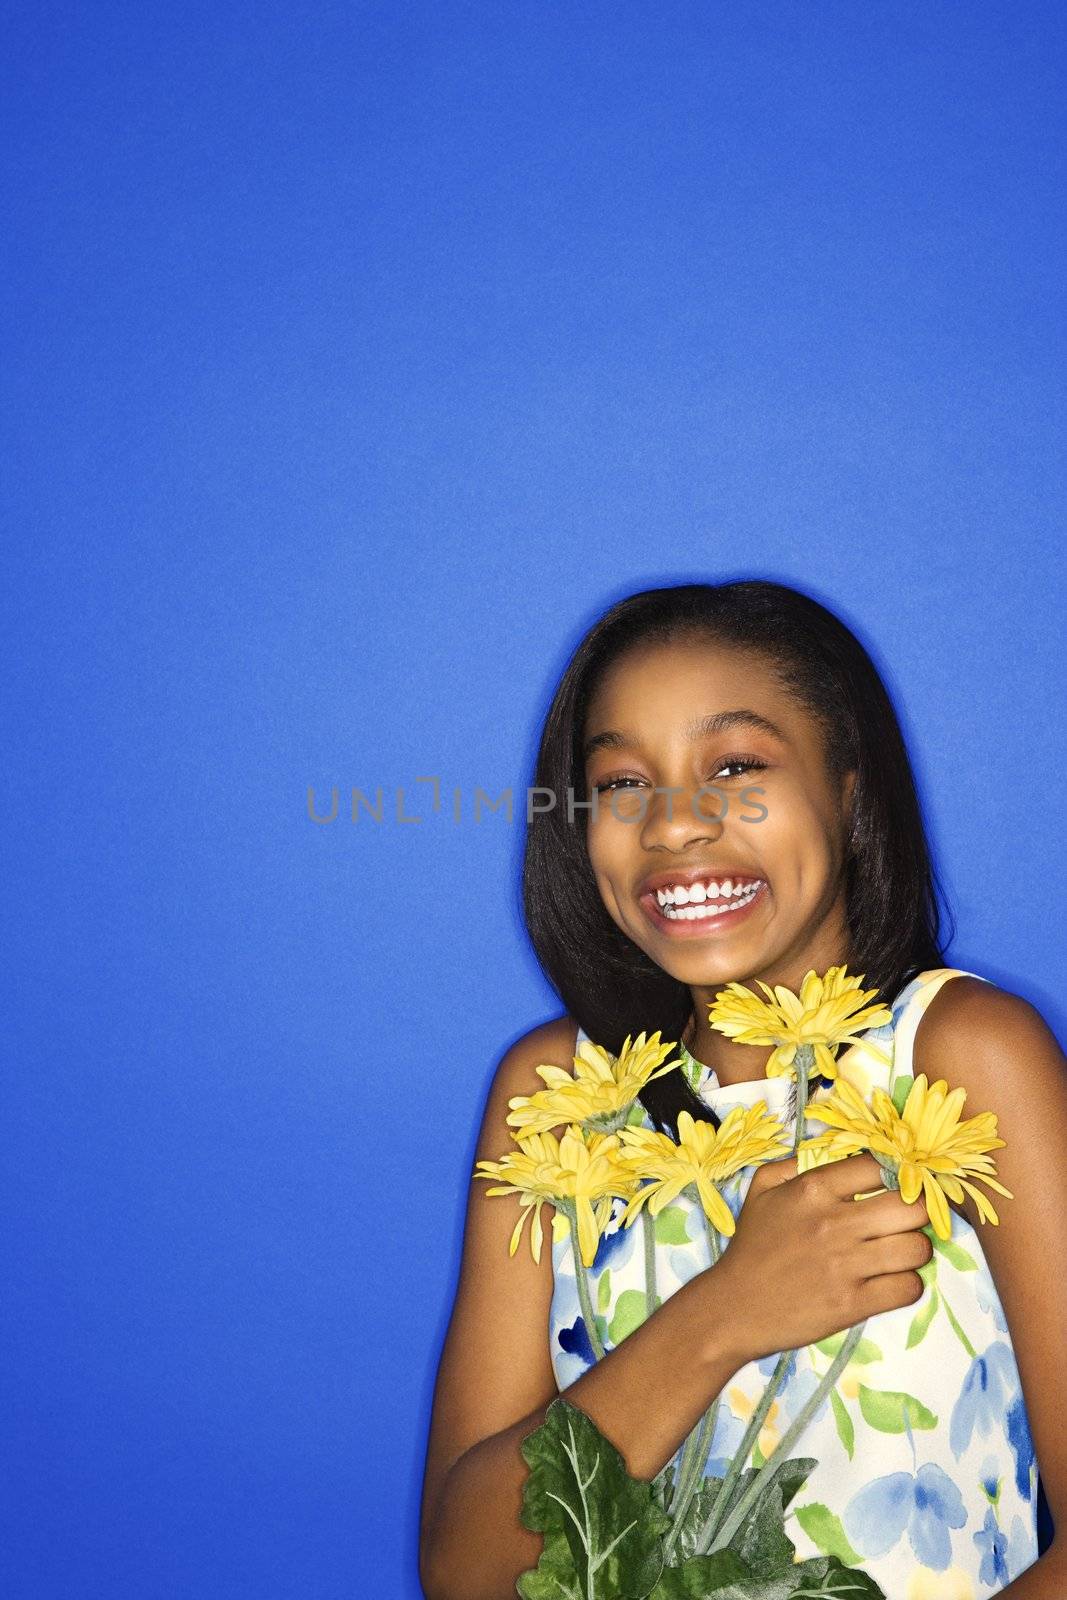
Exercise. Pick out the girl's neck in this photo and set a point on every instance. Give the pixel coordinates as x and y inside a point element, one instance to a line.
<point>730,1062</point>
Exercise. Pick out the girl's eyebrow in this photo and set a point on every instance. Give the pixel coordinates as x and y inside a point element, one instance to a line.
<point>700,728</point>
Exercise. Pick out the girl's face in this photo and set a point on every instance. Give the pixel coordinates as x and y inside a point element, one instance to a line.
<point>741,882</point>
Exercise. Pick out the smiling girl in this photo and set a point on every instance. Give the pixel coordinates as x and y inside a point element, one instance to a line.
<point>734,802</point>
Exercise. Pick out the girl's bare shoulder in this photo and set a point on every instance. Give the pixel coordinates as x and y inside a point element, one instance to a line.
<point>549,1044</point>
<point>984,1039</point>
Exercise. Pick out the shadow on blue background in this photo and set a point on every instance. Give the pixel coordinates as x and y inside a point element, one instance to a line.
<point>356,357</point>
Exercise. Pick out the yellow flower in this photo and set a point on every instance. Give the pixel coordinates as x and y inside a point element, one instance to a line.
<point>926,1149</point>
<point>824,1015</point>
<point>580,1171</point>
<point>600,1090</point>
<point>704,1155</point>
<point>860,1064</point>
<point>812,1154</point>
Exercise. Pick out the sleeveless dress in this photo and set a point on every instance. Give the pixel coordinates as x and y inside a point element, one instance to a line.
<point>926,1474</point>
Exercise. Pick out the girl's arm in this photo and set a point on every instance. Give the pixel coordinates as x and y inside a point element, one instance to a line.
<point>833,1264</point>
<point>495,1380</point>
<point>998,1047</point>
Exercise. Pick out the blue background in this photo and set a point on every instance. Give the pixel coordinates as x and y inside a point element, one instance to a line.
<point>356,357</point>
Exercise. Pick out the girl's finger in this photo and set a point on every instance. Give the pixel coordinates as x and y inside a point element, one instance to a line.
<point>888,1291</point>
<point>896,1252</point>
<point>885,1213</point>
<point>851,1175</point>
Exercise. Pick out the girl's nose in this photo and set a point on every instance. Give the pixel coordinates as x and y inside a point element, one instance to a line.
<point>681,815</point>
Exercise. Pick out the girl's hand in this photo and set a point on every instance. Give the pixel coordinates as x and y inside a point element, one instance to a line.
<point>807,1260</point>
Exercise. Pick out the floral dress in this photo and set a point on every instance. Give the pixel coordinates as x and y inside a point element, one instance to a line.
<point>926,1476</point>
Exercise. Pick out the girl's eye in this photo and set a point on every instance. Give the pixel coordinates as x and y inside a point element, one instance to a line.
<point>743,763</point>
<point>612,783</point>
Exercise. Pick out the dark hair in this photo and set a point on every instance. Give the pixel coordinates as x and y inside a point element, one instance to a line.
<point>606,982</point>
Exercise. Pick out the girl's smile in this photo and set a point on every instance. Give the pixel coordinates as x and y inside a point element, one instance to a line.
<point>695,904</point>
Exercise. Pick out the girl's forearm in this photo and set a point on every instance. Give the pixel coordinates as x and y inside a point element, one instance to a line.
<point>645,1397</point>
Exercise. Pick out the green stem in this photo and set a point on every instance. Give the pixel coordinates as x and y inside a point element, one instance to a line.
<point>712,1235</point>
<point>691,1472</point>
<point>648,1223</point>
<point>694,1458</point>
<point>779,1456</point>
<point>582,1281</point>
<point>803,1061</point>
<point>722,1500</point>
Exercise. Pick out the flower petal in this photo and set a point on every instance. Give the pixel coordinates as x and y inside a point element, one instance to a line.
<point>937,1206</point>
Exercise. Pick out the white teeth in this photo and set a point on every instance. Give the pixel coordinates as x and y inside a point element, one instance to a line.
<point>695,894</point>
<point>697,913</point>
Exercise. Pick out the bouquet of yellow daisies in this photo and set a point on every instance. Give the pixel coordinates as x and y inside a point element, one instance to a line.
<point>682,1535</point>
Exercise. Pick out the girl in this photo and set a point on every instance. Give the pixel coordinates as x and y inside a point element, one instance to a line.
<point>734,802</point>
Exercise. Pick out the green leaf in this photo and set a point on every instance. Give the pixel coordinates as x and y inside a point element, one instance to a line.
<point>845,1430</point>
<point>578,1485</point>
<point>761,1539</point>
<point>554,1577</point>
<point>603,1290</point>
<point>792,1478</point>
<point>699,1576</point>
<point>630,1311</point>
<point>720,1576</point>
<point>824,1578</point>
<point>922,1319</point>
<point>884,1409</point>
<point>953,1253</point>
<point>765,1557</point>
<point>696,1515</point>
<point>824,1529</point>
<point>663,1485</point>
<point>670,1226</point>
<point>865,1351</point>
<point>901,1090</point>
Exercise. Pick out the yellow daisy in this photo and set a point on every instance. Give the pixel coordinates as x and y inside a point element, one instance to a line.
<point>810,1154</point>
<point>825,1014</point>
<point>578,1172</point>
<point>599,1092</point>
<point>860,1064</point>
<point>704,1155</point>
<point>926,1149</point>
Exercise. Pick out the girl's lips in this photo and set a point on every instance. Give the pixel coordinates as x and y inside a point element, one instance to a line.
<point>699,927</point>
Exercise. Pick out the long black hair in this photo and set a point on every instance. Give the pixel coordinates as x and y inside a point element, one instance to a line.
<point>605,981</point>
